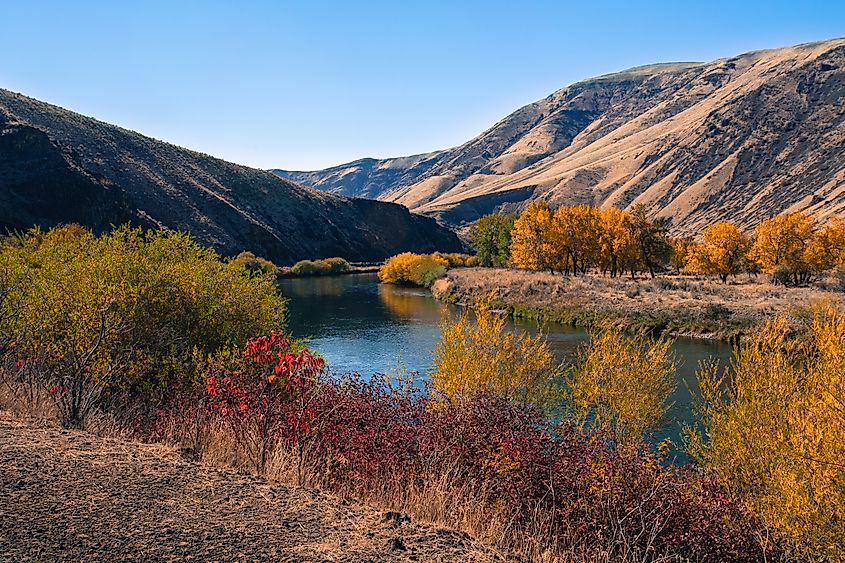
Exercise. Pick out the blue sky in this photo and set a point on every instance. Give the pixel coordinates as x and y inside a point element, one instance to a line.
<point>308,84</point>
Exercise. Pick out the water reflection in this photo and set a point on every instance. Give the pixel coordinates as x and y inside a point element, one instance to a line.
<point>361,326</point>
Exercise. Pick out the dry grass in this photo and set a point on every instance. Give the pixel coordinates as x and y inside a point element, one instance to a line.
<point>71,495</point>
<point>681,304</point>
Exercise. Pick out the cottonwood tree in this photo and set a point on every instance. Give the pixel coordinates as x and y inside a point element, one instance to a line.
<point>723,252</point>
<point>780,244</point>
<point>491,238</point>
<point>530,249</point>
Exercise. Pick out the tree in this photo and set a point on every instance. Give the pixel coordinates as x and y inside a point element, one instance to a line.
<point>491,238</point>
<point>723,252</point>
<point>529,237</point>
<point>649,238</point>
<point>681,251</point>
<point>575,238</point>
<point>780,244</point>
<point>615,243</point>
<point>826,248</point>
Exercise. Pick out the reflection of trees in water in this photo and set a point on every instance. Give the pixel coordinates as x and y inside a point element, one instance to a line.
<point>329,286</point>
<point>409,303</point>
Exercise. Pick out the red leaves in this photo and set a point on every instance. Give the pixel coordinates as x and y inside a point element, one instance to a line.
<point>362,434</point>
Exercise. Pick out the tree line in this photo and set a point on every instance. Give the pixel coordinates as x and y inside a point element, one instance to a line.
<point>574,239</point>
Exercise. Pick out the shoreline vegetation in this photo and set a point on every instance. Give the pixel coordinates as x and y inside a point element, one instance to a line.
<point>150,336</point>
<point>673,305</point>
<point>304,268</point>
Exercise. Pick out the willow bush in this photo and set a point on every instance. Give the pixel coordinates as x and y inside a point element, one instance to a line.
<point>479,354</point>
<point>774,431</point>
<point>622,383</point>
<point>120,316</point>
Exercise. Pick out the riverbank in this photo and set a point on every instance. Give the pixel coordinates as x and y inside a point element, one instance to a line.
<point>74,496</point>
<point>676,305</point>
<point>285,273</point>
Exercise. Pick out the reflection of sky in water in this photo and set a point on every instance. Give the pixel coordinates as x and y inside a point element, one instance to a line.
<point>363,327</point>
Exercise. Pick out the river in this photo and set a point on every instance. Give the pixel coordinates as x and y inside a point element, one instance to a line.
<point>361,326</point>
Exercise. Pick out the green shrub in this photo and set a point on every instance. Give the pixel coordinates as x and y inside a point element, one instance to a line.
<point>121,316</point>
<point>337,265</point>
<point>320,267</point>
<point>249,262</point>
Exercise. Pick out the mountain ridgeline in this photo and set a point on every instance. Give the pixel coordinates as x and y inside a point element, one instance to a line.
<point>736,139</point>
<point>57,166</point>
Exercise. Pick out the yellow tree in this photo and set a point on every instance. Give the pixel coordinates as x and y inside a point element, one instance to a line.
<point>682,248</point>
<point>722,253</point>
<point>529,237</point>
<point>826,248</point>
<point>616,246</point>
<point>780,244</point>
<point>575,236</point>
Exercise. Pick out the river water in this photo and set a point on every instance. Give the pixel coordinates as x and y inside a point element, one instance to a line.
<point>361,326</point>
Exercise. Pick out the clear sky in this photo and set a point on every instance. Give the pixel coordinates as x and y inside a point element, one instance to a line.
<point>308,84</point>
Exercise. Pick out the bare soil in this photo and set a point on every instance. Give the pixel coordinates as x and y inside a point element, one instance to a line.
<point>69,495</point>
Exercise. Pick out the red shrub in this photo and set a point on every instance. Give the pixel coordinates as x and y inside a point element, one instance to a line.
<point>566,488</point>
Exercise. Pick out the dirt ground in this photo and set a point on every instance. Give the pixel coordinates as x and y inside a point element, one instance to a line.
<point>72,496</point>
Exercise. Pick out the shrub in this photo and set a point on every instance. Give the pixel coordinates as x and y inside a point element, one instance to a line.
<point>116,317</point>
<point>309,268</point>
<point>415,269</point>
<point>482,356</point>
<point>456,259</point>
<point>268,395</point>
<point>337,265</point>
<point>249,262</point>
<point>775,431</point>
<point>508,474</point>
<point>622,383</point>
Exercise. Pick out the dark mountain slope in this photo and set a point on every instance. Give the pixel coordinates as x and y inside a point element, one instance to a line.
<point>57,166</point>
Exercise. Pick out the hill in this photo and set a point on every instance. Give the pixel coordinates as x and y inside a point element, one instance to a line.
<point>57,166</point>
<point>735,139</point>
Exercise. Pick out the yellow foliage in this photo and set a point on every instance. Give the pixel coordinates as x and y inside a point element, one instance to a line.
<point>616,243</point>
<point>483,356</point>
<point>417,269</point>
<point>722,253</point>
<point>775,431</point>
<point>529,237</point>
<point>780,243</point>
<point>622,382</point>
<point>681,251</point>
<point>826,248</point>
<point>124,310</point>
<point>574,238</point>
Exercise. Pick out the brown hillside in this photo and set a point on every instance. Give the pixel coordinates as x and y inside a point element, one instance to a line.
<point>740,139</point>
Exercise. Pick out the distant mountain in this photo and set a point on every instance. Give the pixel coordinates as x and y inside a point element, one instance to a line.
<point>738,139</point>
<point>368,177</point>
<point>57,166</point>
